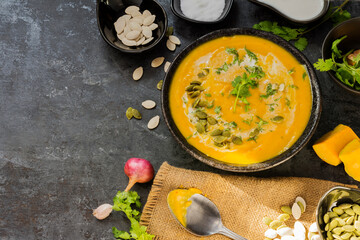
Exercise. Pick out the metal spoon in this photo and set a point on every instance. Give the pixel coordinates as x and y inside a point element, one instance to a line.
<point>203,218</point>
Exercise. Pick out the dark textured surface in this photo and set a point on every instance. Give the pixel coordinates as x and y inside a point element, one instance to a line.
<point>64,137</point>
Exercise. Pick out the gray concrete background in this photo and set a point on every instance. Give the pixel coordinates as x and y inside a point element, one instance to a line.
<point>64,137</point>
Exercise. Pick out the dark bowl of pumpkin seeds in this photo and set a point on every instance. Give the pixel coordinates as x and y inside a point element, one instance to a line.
<point>202,156</point>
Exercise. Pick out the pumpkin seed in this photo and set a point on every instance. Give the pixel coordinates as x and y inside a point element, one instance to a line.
<point>146,31</point>
<point>149,20</point>
<point>226,133</point>
<point>237,140</point>
<point>169,31</point>
<point>219,144</point>
<point>296,211</point>
<point>346,236</point>
<point>340,221</point>
<point>159,85</point>
<point>119,25</point>
<point>129,113</point>
<point>174,39</point>
<point>267,220</point>
<point>131,9</point>
<point>146,13</point>
<point>195,94</point>
<point>136,113</point>
<point>195,82</point>
<point>154,122</point>
<point>301,206</point>
<point>277,119</point>
<point>148,104</point>
<point>350,212</point>
<point>199,88</point>
<point>211,120</point>
<point>337,236</point>
<point>216,132</point>
<point>196,103</point>
<point>132,35</point>
<point>275,224</point>
<point>326,218</point>
<point>338,230</point>
<point>203,103</point>
<point>313,228</point>
<point>329,235</point>
<point>219,139</point>
<point>333,224</point>
<point>147,41</point>
<point>349,220</point>
<point>201,115</point>
<point>166,66</point>
<point>345,206</point>
<point>171,46</point>
<point>203,122</point>
<point>338,210</point>
<point>204,72</point>
<point>356,209</point>
<point>283,217</point>
<point>189,88</point>
<point>286,209</point>
<point>127,42</point>
<point>153,26</point>
<point>137,74</point>
<point>348,228</point>
<point>332,214</point>
<point>157,62</point>
<point>254,133</point>
<point>199,128</point>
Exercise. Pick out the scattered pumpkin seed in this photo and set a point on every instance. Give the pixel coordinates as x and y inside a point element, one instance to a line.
<point>201,115</point>
<point>237,140</point>
<point>203,103</point>
<point>286,209</point>
<point>169,31</point>
<point>203,122</point>
<point>136,113</point>
<point>326,218</point>
<point>189,88</point>
<point>199,128</point>
<point>275,224</point>
<point>174,39</point>
<point>204,72</point>
<point>216,132</point>
<point>219,139</point>
<point>166,66</point>
<point>157,62</point>
<point>137,74</point>
<point>350,212</point>
<point>226,133</point>
<point>159,85</point>
<point>195,94</point>
<point>283,217</point>
<point>212,121</point>
<point>296,211</point>
<point>254,133</point>
<point>338,210</point>
<point>267,220</point>
<point>195,82</point>
<point>333,224</point>
<point>129,113</point>
<point>154,122</point>
<point>148,104</point>
<point>277,119</point>
<point>171,46</point>
<point>199,88</point>
<point>196,103</point>
<point>301,206</point>
<point>345,206</point>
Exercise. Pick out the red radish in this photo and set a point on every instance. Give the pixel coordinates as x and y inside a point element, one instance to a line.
<point>138,170</point>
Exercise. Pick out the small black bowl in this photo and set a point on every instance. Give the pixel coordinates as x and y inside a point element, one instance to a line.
<point>351,28</point>
<point>175,7</point>
<point>315,18</point>
<point>295,148</point>
<point>108,11</point>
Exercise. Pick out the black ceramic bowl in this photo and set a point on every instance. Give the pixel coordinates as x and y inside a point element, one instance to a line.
<point>351,28</point>
<point>175,7</point>
<point>333,198</point>
<point>108,11</point>
<point>300,143</point>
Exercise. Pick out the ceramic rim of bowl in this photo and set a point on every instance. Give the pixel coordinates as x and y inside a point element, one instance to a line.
<point>286,155</point>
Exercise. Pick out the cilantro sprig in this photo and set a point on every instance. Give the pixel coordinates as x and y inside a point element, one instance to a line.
<point>124,202</point>
<point>337,15</point>
<point>348,74</point>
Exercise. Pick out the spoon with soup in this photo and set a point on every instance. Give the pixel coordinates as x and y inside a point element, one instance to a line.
<point>197,214</point>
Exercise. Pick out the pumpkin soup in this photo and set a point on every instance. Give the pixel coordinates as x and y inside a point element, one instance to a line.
<point>240,99</point>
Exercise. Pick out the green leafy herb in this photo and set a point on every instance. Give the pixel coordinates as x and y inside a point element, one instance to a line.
<point>271,106</point>
<point>269,91</point>
<point>301,43</point>
<point>349,75</point>
<point>217,109</point>
<point>211,105</point>
<point>251,54</point>
<point>340,16</point>
<point>188,137</point>
<point>124,202</point>
<point>233,124</point>
<point>207,94</point>
<point>236,55</point>
<point>261,123</point>
<point>287,102</point>
<point>248,121</point>
<point>241,85</point>
<point>291,71</point>
<point>224,68</point>
<point>294,86</point>
<point>304,75</point>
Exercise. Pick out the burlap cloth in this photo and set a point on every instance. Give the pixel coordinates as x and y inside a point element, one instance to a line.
<point>242,201</point>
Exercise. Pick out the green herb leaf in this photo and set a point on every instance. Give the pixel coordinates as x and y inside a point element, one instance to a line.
<point>291,71</point>
<point>251,54</point>
<point>248,121</point>
<point>335,49</point>
<point>233,124</point>
<point>269,91</point>
<point>301,44</point>
<point>304,75</point>
<point>287,102</point>
<point>217,109</point>
<point>207,94</point>
<point>326,65</point>
<point>294,86</point>
<point>340,16</point>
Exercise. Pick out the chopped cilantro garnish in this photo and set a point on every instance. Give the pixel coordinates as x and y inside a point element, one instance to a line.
<point>291,71</point>
<point>233,124</point>
<point>287,102</point>
<point>248,121</point>
<point>207,94</point>
<point>294,86</point>
<point>304,75</point>
<point>217,109</point>
<point>251,54</point>
<point>269,91</point>
<point>241,86</point>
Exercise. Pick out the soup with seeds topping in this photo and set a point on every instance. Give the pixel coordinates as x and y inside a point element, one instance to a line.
<point>240,99</point>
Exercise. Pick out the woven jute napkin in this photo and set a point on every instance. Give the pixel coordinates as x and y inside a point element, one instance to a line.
<point>242,201</point>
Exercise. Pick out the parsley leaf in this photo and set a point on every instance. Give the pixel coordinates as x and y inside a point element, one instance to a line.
<point>269,91</point>
<point>323,66</point>
<point>301,43</point>
<point>251,54</point>
<point>123,201</point>
<point>335,49</point>
<point>217,109</point>
<point>340,16</point>
<point>241,90</point>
